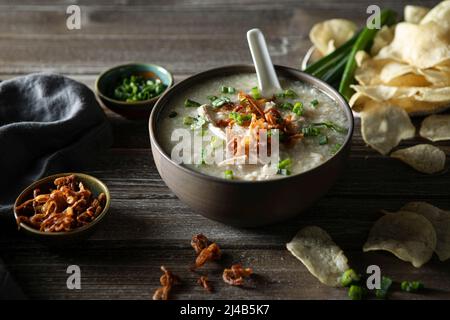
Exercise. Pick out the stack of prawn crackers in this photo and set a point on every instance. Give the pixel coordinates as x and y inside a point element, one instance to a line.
<point>405,73</point>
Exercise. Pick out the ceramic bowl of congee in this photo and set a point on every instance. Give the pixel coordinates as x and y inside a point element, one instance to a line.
<point>244,159</point>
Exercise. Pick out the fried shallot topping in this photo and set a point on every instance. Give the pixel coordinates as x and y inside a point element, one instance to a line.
<point>210,253</point>
<point>204,282</point>
<point>236,274</point>
<point>199,242</point>
<point>69,206</point>
<point>167,280</point>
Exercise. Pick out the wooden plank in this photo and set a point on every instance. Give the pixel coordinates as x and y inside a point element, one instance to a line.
<point>124,271</point>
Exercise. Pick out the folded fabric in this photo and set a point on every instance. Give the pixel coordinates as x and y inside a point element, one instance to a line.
<point>48,123</point>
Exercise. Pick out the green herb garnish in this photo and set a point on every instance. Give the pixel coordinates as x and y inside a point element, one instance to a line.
<point>384,287</point>
<point>211,98</point>
<point>314,103</point>
<point>411,286</point>
<point>287,106</point>
<point>225,89</point>
<point>356,292</point>
<point>228,174</point>
<point>349,277</point>
<point>188,103</point>
<point>220,102</point>
<point>289,93</point>
<point>323,140</point>
<point>298,108</point>
<point>284,167</point>
<point>239,117</point>
<point>198,123</point>
<point>137,88</point>
<point>187,121</point>
<point>254,92</point>
<point>330,125</point>
<point>335,148</point>
<point>310,131</point>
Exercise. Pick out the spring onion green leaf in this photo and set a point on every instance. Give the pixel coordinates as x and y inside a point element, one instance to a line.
<point>239,117</point>
<point>225,89</point>
<point>356,292</point>
<point>411,286</point>
<point>188,103</point>
<point>220,102</point>
<point>288,93</point>
<point>254,92</point>
<point>211,98</point>
<point>284,167</point>
<point>298,108</point>
<point>136,88</point>
<point>198,123</point>
<point>286,106</point>
<point>314,103</point>
<point>188,120</point>
<point>335,148</point>
<point>228,174</point>
<point>349,277</point>
<point>363,42</point>
<point>384,288</point>
<point>310,131</point>
<point>330,125</point>
<point>323,140</point>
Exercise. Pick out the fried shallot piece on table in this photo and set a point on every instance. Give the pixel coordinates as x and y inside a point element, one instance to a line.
<point>236,274</point>
<point>199,242</point>
<point>204,283</point>
<point>167,280</point>
<point>210,253</point>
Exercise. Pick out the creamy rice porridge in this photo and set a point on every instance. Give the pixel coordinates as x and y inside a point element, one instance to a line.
<point>310,125</point>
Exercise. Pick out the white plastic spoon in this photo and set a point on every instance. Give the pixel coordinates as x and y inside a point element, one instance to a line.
<point>268,83</point>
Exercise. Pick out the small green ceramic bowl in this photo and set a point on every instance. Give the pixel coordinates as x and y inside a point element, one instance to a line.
<point>44,184</point>
<point>108,81</point>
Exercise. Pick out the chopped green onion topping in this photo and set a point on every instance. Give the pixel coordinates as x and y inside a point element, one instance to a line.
<point>411,286</point>
<point>188,103</point>
<point>136,88</point>
<point>198,123</point>
<point>289,93</point>
<point>356,292</point>
<point>284,167</point>
<point>384,287</point>
<point>173,114</point>
<point>298,108</point>
<point>335,148</point>
<point>211,98</point>
<point>239,117</point>
<point>254,92</point>
<point>330,125</point>
<point>225,89</point>
<point>287,106</point>
<point>349,277</point>
<point>188,120</point>
<point>314,103</point>
<point>310,131</point>
<point>220,102</point>
<point>323,140</point>
<point>228,174</point>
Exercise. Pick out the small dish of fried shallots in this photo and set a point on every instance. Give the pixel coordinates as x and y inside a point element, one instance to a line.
<point>62,205</point>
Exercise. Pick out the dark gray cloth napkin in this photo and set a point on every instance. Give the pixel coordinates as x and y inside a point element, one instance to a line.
<point>48,124</point>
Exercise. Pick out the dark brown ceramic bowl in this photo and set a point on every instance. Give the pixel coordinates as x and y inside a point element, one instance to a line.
<point>247,203</point>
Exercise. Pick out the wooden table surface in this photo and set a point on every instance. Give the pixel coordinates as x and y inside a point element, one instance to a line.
<point>147,225</point>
